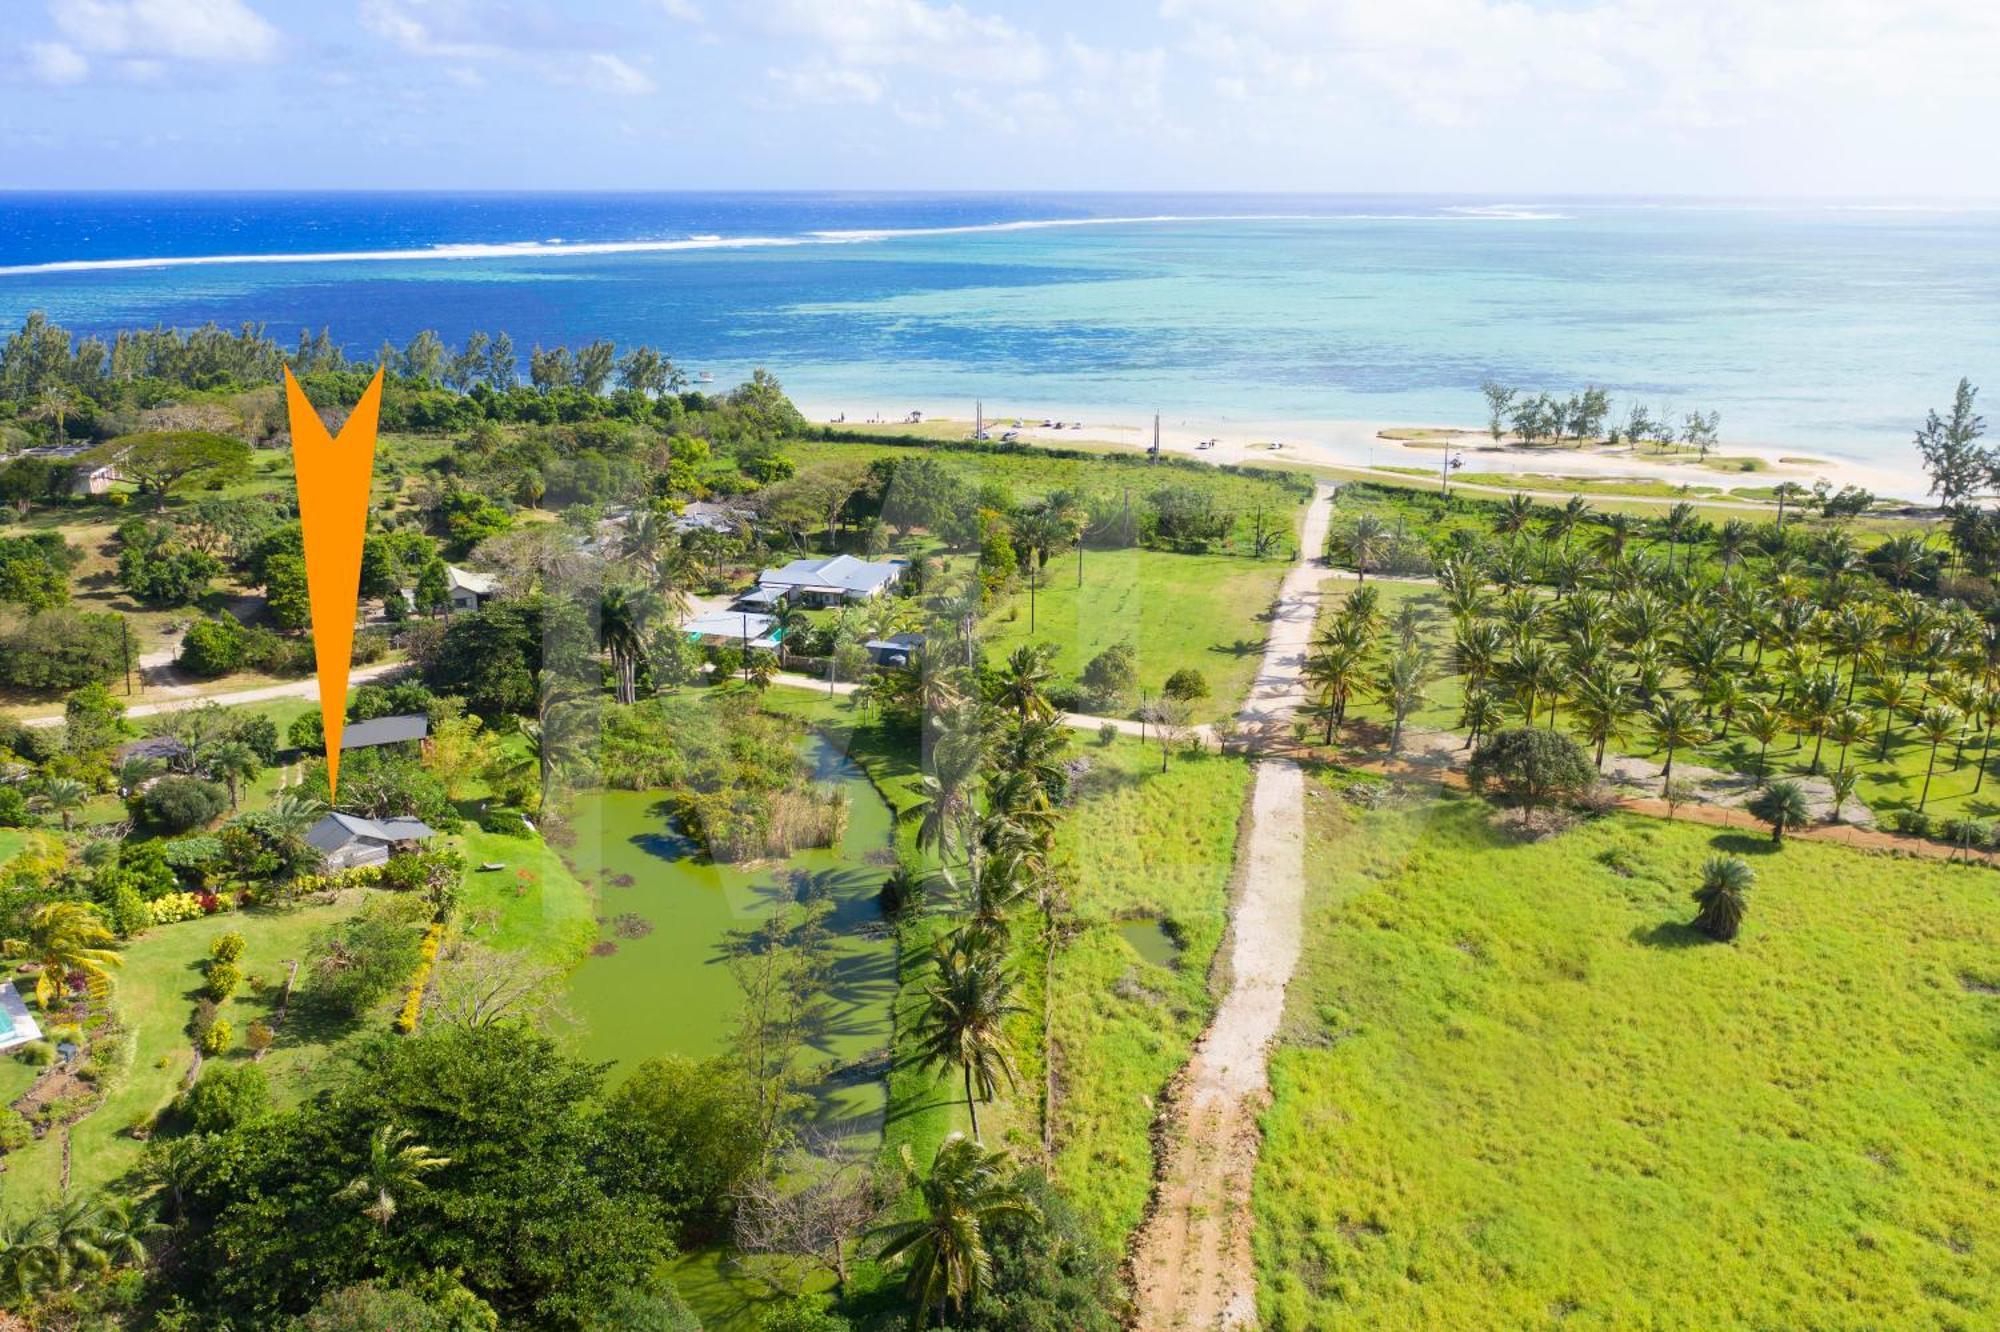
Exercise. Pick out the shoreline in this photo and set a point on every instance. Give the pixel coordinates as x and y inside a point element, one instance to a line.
<point>1363,446</point>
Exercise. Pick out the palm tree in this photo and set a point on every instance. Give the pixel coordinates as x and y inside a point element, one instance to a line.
<point>1364,544</point>
<point>1723,897</point>
<point>965,1016</point>
<point>1514,515</point>
<point>1846,726</point>
<point>1021,684</point>
<point>70,943</point>
<point>1843,783</point>
<point>62,796</point>
<point>1478,714</point>
<point>1532,673</point>
<point>291,813</point>
<point>1334,668</point>
<point>967,1189</point>
<point>1937,723</point>
<point>1762,723</point>
<point>1674,724</point>
<point>1676,527</point>
<point>1401,688</point>
<point>1600,704</point>
<point>1892,695</point>
<point>621,632</point>
<point>1037,532</point>
<point>1783,806</point>
<point>234,763</point>
<point>395,1165</point>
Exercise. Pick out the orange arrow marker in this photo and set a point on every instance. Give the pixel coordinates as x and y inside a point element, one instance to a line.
<point>333,477</point>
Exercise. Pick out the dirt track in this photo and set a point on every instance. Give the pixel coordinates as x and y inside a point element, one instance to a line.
<point>1191,1264</point>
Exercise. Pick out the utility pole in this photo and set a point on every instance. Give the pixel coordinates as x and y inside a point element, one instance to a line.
<point>978,419</point>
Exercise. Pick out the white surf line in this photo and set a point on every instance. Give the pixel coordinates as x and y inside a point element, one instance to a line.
<point>859,235</point>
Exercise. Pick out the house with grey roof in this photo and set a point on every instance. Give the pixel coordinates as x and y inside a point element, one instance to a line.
<point>834,580</point>
<point>402,729</point>
<point>348,840</point>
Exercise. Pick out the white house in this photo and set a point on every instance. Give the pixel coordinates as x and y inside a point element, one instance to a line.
<point>834,580</point>
<point>465,590</point>
<point>348,840</point>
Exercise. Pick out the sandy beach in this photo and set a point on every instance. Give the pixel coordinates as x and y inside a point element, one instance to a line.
<point>1364,445</point>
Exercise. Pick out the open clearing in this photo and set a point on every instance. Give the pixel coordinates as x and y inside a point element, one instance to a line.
<point>1517,1090</point>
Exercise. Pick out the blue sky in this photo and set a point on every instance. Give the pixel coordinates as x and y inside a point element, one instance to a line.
<point>1888,98</point>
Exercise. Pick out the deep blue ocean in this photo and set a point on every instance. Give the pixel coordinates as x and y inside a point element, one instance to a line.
<point>1817,326</point>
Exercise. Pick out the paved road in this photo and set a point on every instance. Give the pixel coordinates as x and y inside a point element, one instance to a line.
<point>308,688</point>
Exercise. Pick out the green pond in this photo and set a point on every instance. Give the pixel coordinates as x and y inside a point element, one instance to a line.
<point>660,983</point>
<point>1151,940</point>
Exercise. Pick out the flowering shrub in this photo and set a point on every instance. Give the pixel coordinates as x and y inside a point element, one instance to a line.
<point>363,876</point>
<point>175,906</point>
<point>413,1002</point>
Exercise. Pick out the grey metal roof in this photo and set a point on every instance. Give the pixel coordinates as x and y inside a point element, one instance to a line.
<point>385,731</point>
<point>336,830</point>
<point>839,573</point>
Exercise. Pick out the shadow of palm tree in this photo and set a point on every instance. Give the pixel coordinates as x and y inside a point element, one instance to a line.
<point>1670,934</point>
<point>1744,844</point>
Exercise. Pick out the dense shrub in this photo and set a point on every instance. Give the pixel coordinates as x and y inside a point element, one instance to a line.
<point>227,947</point>
<point>1531,766</point>
<point>212,647</point>
<point>1186,684</point>
<point>176,804</point>
<point>227,1096</point>
<point>62,649</point>
<point>223,978</point>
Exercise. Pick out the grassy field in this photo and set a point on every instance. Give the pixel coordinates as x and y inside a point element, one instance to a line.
<point>1516,1090</point>
<point>1145,853</point>
<point>1200,611</point>
<point>155,996</point>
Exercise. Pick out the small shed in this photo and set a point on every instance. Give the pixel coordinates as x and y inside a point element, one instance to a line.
<point>401,729</point>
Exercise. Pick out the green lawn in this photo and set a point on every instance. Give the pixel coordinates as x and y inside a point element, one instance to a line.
<point>1199,611</point>
<point>1515,1090</point>
<point>533,903</point>
<point>156,991</point>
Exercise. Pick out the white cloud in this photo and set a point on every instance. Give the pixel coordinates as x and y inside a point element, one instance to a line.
<point>220,31</point>
<point>463,34</point>
<point>852,47</point>
<point>55,63</point>
<point>1692,64</point>
<point>610,73</point>
<point>684,10</point>
<point>815,83</point>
